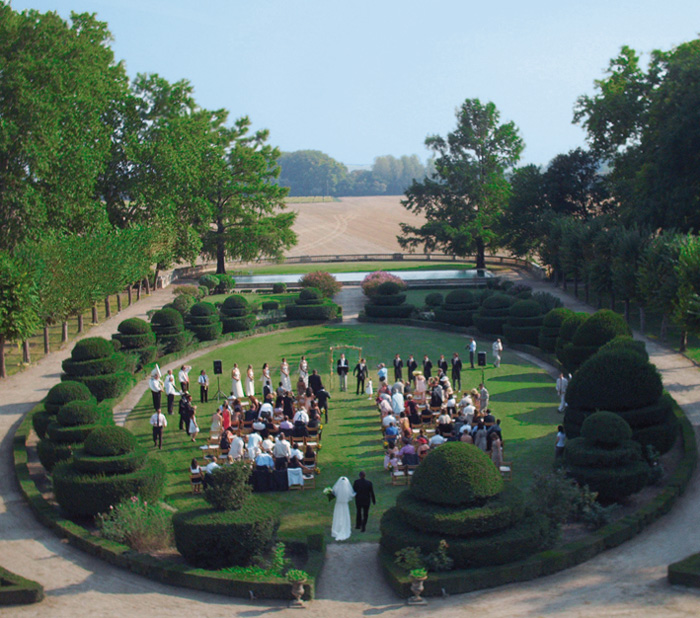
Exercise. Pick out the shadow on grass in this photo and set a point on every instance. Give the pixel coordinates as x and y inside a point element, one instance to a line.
<point>530,378</point>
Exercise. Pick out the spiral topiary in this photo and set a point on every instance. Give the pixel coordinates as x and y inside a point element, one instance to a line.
<point>95,363</point>
<point>311,305</point>
<point>458,308</point>
<point>136,337</point>
<point>236,314</point>
<point>458,495</point>
<point>63,392</point>
<point>605,459</point>
<point>524,322</point>
<point>493,313</point>
<point>203,320</point>
<point>110,441</point>
<point>169,328</point>
<point>551,325</point>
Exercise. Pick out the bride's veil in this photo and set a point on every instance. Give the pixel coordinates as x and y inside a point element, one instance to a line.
<point>343,490</point>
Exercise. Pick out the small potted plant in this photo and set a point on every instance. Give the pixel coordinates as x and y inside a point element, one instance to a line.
<point>418,576</point>
<point>297,578</point>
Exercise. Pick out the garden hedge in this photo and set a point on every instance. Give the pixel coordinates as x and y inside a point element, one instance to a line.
<point>86,495</point>
<point>63,392</point>
<point>91,348</point>
<point>458,308</point>
<point>389,311</point>
<point>237,324</point>
<point>40,422</point>
<point>17,590</point>
<point>50,453</point>
<point>392,300</point>
<point>169,328</point>
<point>493,313</point>
<point>434,299</point>
<point>551,324</point>
<point>110,442</point>
<point>109,386</point>
<point>213,539</point>
<point>108,464</point>
<point>136,337</point>
<point>566,334</point>
<point>624,342</point>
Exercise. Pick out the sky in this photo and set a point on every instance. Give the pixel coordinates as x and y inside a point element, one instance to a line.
<point>363,79</point>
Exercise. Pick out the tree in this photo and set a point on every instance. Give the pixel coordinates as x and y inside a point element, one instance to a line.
<point>521,224</point>
<point>463,200</point>
<point>311,172</point>
<point>56,87</point>
<point>627,250</point>
<point>18,316</point>
<point>245,203</point>
<point>687,304</point>
<point>648,125</point>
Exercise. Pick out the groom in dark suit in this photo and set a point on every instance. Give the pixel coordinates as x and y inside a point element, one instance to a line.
<point>364,493</point>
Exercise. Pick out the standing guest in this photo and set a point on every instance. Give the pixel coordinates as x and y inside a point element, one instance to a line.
<point>398,366</point>
<point>203,380</point>
<point>184,378</point>
<point>497,349</point>
<point>170,390</point>
<point>360,372</point>
<point>266,378</point>
<point>322,397</point>
<point>315,382</point>
<point>236,384</point>
<point>156,386</point>
<point>427,367</point>
<point>472,351</point>
<point>480,436</point>
<point>456,371</point>
<point>225,411</point>
<point>194,427</point>
<point>186,410</point>
<point>364,493</point>
<point>342,369</point>
<point>560,443</point>
<point>304,371</point>
<point>249,382</point>
<point>483,398</point>
<point>442,363</point>
<point>562,385</point>
<point>383,372</point>
<point>411,366</point>
<point>158,421</point>
<point>497,452</point>
<point>284,375</point>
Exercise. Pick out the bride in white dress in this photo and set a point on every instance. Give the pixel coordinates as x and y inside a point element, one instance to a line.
<point>341,528</point>
<point>284,376</point>
<point>236,386</point>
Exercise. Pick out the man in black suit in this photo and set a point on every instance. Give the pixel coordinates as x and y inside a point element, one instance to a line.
<point>411,365</point>
<point>456,372</point>
<point>361,372</point>
<point>364,493</point>
<point>315,382</point>
<point>442,363</point>
<point>427,367</point>
<point>398,366</point>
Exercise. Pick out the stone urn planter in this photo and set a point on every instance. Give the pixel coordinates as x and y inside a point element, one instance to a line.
<point>297,579</point>
<point>418,577</point>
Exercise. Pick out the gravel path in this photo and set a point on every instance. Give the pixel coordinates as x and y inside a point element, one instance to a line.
<point>627,581</point>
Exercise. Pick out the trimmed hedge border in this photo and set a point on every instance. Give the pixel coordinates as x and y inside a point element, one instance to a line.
<point>175,574</point>
<point>17,590</point>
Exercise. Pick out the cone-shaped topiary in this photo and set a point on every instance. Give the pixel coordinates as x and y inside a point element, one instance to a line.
<point>605,459</point>
<point>551,324</point>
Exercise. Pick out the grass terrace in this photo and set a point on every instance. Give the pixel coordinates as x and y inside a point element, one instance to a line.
<point>522,396</point>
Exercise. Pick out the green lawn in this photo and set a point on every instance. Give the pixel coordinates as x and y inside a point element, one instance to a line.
<point>521,395</point>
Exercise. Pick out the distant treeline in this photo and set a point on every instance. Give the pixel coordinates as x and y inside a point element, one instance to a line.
<point>312,172</point>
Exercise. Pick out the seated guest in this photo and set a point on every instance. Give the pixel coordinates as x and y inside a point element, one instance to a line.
<point>281,452</point>
<point>264,461</point>
<point>254,404</point>
<point>391,457</point>
<point>207,471</point>
<point>251,414</point>
<point>314,416</point>
<point>407,389</point>
<point>397,403</point>
<point>391,433</point>
<point>300,430</point>
<point>237,447</point>
<point>465,401</point>
<point>309,456</point>
<point>389,419</point>
<point>216,421</point>
<point>301,386</point>
<point>466,437</point>
<point>266,445</point>
<point>296,457</point>
<point>451,405</point>
<point>410,406</point>
<point>445,423</point>
<point>404,424</point>
<point>266,409</point>
<point>225,441</point>
<point>301,416</point>
<point>254,441</point>
<point>280,390</point>
<point>286,425</point>
<point>385,406</point>
<point>407,449</point>
<point>436,440</point>
<point>436,396</point>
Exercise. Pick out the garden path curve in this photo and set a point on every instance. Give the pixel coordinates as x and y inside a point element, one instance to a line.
<point>626,581</point>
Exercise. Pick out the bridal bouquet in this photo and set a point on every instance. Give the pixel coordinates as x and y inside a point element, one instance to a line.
<point>328,492</point>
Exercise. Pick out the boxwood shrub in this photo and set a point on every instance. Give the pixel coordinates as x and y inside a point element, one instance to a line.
<point>566,333</point>
<point>235,305</point>
<point>108,386</point>
<point>493,313</point>
<point>458,308</point>
<point>389,311</point>
<point>213,539</point>
<point>624,342</point>
<point>91,348</point>
<point>551,324</point>
<point>40,421</point>
<point>208,281</point>
<point>390,300</point>
<point>169,327</point>
<point>434,299</point>
<point>63,392</point>
<point>326,311</point>
<point>270,305</point>
<point>77,434</point>
<point>110,441</point>
<point>94,367</point>
<point>86,495</point>
<point>136,337</point>
<point>50,453</point>
<point>111,464</point>
<point>524,322</point>
<point>236,324</point>
<point>183,303</point>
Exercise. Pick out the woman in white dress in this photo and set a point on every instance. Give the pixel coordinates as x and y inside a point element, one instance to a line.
<point>250,382</point>
<point>236,386</point>
<point>341,527</point>
<point>284,376</point>
<point>304,371</point>
<point>266,377</point>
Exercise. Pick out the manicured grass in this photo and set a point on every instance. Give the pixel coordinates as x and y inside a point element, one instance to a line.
<point>521,395</point>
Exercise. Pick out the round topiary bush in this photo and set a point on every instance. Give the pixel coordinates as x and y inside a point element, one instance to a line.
<point>458,309</point>
<point>309,296</point>
<point>270,305</point>
<point>91,348</point>
<point>551,325</point>
<point>328,285</point>
<point>524,322</point>
<point>208,281</point>
<point>623,342</point>
<point>203,320</point>
<point>389,299</point>
<point>217,539</point>
<point>615,381</point>
<point>108,386</point>
<point>600,328</point>
<point>235,305</point>
<point>434,299</point>
<point>169,327</point>
<point>236,314</point>
<point>279,288</point>
<point>86,495</point>
<point>566,334</point>
<point>605,459</point>
<point>389,288</point>
<point>136,337</point>
<point>372,281</point>
<point>183,303</point>
<point>110,441</point>
<point>111,464</point>
<point>456,473</point>
<point>493,313</point>
<point>78,413</point>
<point>63,392</point>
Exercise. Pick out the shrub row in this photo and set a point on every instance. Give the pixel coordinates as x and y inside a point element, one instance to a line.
<point>17,590</point>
